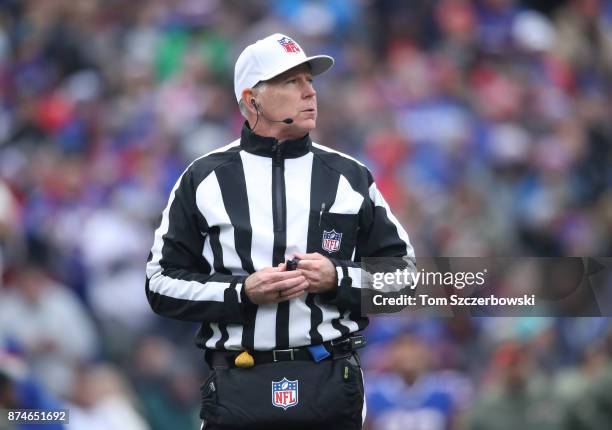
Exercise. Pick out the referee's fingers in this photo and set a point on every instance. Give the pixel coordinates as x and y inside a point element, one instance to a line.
<point>297,289</point>
<point>272,277</point>
<point>309,264</point>
<point>285,284</point>
<point>309,256</point>
<point>296,292</point>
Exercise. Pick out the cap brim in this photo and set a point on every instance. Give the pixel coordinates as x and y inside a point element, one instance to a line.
<point>318,64</point>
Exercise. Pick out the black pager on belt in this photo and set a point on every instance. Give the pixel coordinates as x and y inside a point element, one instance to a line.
<point>292,264</point>
<point>357,341</point>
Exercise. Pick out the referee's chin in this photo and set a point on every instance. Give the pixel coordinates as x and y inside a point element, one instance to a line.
<point>303,126</point>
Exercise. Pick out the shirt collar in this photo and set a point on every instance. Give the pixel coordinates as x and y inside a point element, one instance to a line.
<point>267,146</point>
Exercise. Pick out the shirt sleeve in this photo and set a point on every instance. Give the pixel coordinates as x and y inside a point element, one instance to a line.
<point>179,283</point>
<point>380,235</point>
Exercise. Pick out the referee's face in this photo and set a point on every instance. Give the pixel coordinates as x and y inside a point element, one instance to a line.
<point>291,95</point>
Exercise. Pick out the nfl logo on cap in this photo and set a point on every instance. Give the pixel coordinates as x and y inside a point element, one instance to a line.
<point>289,45</point>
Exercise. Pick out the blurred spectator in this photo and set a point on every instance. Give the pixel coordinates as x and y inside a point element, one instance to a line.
<point>409,394</point>
<point>7,400</point>
<point>519,397</point>
<point>591,406</point>
<point>114,243</point>
<point>166,385</point>
<point>101,401</point>
<point>9,228</point>
<point>46,322</point>
<point>21,389</point>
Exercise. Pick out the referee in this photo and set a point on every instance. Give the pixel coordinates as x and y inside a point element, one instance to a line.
<point>260,243</point>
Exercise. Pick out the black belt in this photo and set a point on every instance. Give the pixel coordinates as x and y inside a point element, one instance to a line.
<point>337,348</point>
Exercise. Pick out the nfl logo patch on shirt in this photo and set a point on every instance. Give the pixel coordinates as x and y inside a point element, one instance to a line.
<point>331,240</point>
<point>289,45</point>
<point>284,393</point>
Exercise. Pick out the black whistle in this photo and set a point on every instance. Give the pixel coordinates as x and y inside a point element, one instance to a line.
<point>292,264</point>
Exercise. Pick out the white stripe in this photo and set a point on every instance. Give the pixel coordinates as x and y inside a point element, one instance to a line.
<point>180,289</point>
<point>210,203</point>
<point>353,272</point>
<point>187,290</point>
<point>364,409</point>
<point>153,266</point>
<point>215,337</point>
<point>208,254</point>
<point>348,201</point>
<point>339,274</point>
<point>326,329</point>
<point>348,322</point>
<point>265,327</point>
<point>258,178</point>
<point>325,148</point>
<point>299,322</point>
<point>379,200</point>
<point>298,174</point>
<point>234,341</point>
<point>238,292</point>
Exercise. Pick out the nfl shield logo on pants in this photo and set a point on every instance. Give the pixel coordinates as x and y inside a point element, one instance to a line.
<point>331,240</point>
<point>284,393</point>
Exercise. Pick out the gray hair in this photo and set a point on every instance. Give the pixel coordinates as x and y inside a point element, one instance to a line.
<point>260,86</point>
<point>243,109</point>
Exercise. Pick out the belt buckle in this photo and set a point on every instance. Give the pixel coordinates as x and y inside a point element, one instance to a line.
<point>290,351</point>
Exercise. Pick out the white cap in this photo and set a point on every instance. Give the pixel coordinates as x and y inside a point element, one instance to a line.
<point>270,57</point>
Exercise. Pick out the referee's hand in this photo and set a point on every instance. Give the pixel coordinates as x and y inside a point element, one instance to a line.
<point>319,272</point>
<point>274,285</point>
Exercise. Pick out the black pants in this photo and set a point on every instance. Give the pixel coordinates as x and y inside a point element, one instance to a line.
<point>285,395</point>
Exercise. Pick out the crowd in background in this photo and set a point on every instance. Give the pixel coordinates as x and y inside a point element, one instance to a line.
<point>486,123</point>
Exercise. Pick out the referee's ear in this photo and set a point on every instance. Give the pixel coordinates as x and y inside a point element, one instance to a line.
<point>247,100</point>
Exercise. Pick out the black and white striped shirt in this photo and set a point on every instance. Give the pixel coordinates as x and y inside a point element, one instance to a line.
<point>250,205</point>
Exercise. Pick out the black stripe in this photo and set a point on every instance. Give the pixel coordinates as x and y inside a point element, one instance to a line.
<point>223,327</point>
<point>181,254</point>
<point>340,327</point>
<point>224,336</point>
<point>356,174</point>
<point>388,241</point>
<point>336,321</point>
<point>234,192</point>
<point>323,189</point>
<point>316,317</point>
<point>280,233</point>
<point>183,242</point>
<point>184,310</point>
<point>278,253</point>
<point>232,183</point>
<point>362,322</point>
<point>204,333</point>
<point>217,251</point>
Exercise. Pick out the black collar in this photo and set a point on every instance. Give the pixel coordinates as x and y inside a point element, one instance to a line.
<point>268,146</point>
